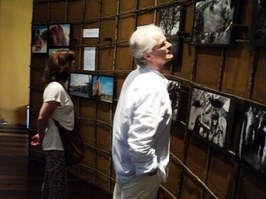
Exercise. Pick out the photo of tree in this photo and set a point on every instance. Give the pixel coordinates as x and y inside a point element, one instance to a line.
<point>170,21</point>
<point>213,21</point>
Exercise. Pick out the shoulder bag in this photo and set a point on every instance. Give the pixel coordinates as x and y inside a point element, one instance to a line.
<point>72,142</point>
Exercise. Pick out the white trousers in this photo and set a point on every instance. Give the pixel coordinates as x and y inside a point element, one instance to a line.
<point>144,187</point>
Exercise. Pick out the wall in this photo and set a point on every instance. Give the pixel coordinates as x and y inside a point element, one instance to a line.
<point>197,169</point>
<point>15,35</point>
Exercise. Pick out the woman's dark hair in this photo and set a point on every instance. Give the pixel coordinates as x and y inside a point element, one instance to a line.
<point>57,67</point>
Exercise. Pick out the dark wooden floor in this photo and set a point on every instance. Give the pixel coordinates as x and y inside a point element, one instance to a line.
<point>21,179</point>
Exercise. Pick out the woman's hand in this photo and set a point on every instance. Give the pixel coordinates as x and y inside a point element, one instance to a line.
<point>35,140</point>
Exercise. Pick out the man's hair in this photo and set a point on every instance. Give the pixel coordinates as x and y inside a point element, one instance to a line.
<point>57,67</point>
<point>143,40</point>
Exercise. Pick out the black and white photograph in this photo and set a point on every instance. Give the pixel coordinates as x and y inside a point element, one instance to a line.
<point>59,35</point>
<point>103,88</point>
<point>213,20</point>
<point>258,26</point>
<point>174,89</point>
<point>170,21</point>
<point>39,38</point>
<point>210,117</point>
<point>252,148</point>
<point>80,85</point>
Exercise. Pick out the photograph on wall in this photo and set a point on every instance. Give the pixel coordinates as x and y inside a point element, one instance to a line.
<point>39,38</point>
<point>59,35</point>
<point>258,26</point>
<point>80,85</point>
<point>170,21</point>
<point>103,88</point>
<point>174,89</point>
<point>210,117</point>
<point>252,148</point>
<point>213,20</point>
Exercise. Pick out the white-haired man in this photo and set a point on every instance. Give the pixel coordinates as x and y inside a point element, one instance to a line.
<point>141,128</point>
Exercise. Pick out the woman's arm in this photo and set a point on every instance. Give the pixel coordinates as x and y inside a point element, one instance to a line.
<point>45,113</point>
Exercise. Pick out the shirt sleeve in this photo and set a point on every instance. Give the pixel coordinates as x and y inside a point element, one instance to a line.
<point>54,92</point>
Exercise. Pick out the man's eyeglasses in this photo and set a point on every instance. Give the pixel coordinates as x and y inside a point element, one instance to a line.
<point>161,45</point>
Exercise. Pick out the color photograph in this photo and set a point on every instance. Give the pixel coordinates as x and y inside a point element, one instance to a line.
<point>59,35</point>
<point>39,38</point>
<point>103,88</point>
<point>80,85</point>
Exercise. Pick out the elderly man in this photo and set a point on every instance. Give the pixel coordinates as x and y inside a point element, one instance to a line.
<point>141,128</point>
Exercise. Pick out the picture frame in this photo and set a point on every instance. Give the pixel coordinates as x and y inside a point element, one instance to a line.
<point>252,147</point>
<point>258,26</point>
<point>211,117</point>
<point>59,35</point>
<point>80,85</point>
<point>170,20</point>
<point>103,88</point>
<point>213,20</point>
<point>174,90</point>
<point>39,38</point>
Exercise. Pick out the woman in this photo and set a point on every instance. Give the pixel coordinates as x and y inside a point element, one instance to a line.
<point>57,105</point>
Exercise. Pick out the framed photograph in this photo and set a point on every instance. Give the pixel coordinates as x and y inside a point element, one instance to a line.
<point>39,38</point>
<point>258,27</point>
<point>103,88</point>
<point>174,90</point>
<point>213,21</point>
<point>252,148</point>
<point>170,20</point>
<point>80,85</point>
<point>59,35</point>
<point>211,117</point>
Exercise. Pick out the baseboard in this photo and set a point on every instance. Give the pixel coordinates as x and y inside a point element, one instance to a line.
<point>13,128</point>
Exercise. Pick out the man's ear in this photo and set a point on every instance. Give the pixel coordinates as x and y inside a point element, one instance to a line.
<point>147,56</point>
